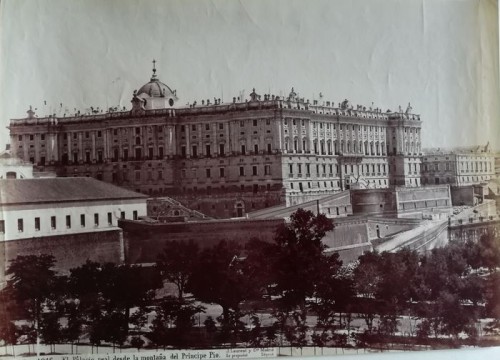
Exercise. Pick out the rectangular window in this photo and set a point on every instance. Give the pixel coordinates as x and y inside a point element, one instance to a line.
<point>267,169</point>
<point>269,148</point>
<point>20,225</point>
<point>254,170</point>
<point>243,150</point>
<point>87,134</point>
<point>256,149</point>
<point>207,149</point>
<point>53,224</point>
<point>221,126</point>
<point>221,149</point>
<point>110,219</point>
<point>138,130</point>
<point>150,153</point>
<point>37,224</point>
<point>99,133</point>
<point>242,171</point>
<point>96,219</point>
<point>82,220</point>
<point>134,214</point>
<point>2,226</point>
<point>208,173</point>
<point>160,152</point>
<point>122,215</point>
<point>183,128</point>
<point>207,126</point>
<point>221,172</point>
<point>160,175</point>
<point>68,221</point>
<point>194,152</point>
<point>42,136</point>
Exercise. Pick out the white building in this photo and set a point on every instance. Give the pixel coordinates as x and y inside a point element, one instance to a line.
<point>36,208</point>
<point>14,168</point>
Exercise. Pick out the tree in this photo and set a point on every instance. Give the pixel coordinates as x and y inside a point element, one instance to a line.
<point>299,260</point>
<point>31,281</point>
<point>50,329</point>
<point>8,330</point>
<point>137,342</point>
<point>106,293</point>
<point>177,261</point>
<point>174,322</point>
<point>489,251</point>
<point>8,333</point>
<point>220,276</point>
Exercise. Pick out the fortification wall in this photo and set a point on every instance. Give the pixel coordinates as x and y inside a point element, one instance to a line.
<point>143,241</point>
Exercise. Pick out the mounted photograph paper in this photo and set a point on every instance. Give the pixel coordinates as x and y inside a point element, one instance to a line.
<point>198,180</point>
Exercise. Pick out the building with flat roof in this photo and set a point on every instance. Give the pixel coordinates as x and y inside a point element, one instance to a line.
<point>74,219</point>
<point>458,167</point>
<point>226,159</point>
<point>61,206</point>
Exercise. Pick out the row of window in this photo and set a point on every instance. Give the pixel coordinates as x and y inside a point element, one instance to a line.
<point>464,166</point>
<point>223,173</point>
<point>365,168</point>
<point>67,221</point>
<point>222,151</point>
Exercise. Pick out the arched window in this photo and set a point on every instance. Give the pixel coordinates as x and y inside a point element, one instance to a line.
<point>11,175</point>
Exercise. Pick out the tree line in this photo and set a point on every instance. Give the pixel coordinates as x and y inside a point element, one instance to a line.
<point>276,286</point>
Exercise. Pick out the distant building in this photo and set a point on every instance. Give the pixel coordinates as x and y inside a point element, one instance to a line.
<point>226,159</point>
<point>459,167</point>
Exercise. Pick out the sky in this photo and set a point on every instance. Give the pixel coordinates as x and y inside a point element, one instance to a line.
<point>439,55</point>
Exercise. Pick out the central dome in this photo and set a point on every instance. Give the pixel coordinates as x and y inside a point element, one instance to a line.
<point>155,94</point>
<point>155,88</point>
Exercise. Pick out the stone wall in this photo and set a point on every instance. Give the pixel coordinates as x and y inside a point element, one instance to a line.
<point>144,241</point>
<point>373,201</point>
<point>69,250</point>
<point>381,227</point>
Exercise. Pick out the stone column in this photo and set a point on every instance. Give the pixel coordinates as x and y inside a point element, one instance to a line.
<point>80,146</point>
<point>93,152</point>
<point>188,140</point>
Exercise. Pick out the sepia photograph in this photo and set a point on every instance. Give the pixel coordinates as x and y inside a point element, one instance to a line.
<point>222,179</point>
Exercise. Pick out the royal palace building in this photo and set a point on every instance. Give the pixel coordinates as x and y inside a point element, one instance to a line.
<point>228,158</point>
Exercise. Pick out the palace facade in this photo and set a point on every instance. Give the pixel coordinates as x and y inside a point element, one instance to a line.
<point>228,158</point>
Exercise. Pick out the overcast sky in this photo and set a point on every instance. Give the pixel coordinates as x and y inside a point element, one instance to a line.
<point>442,56</point>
